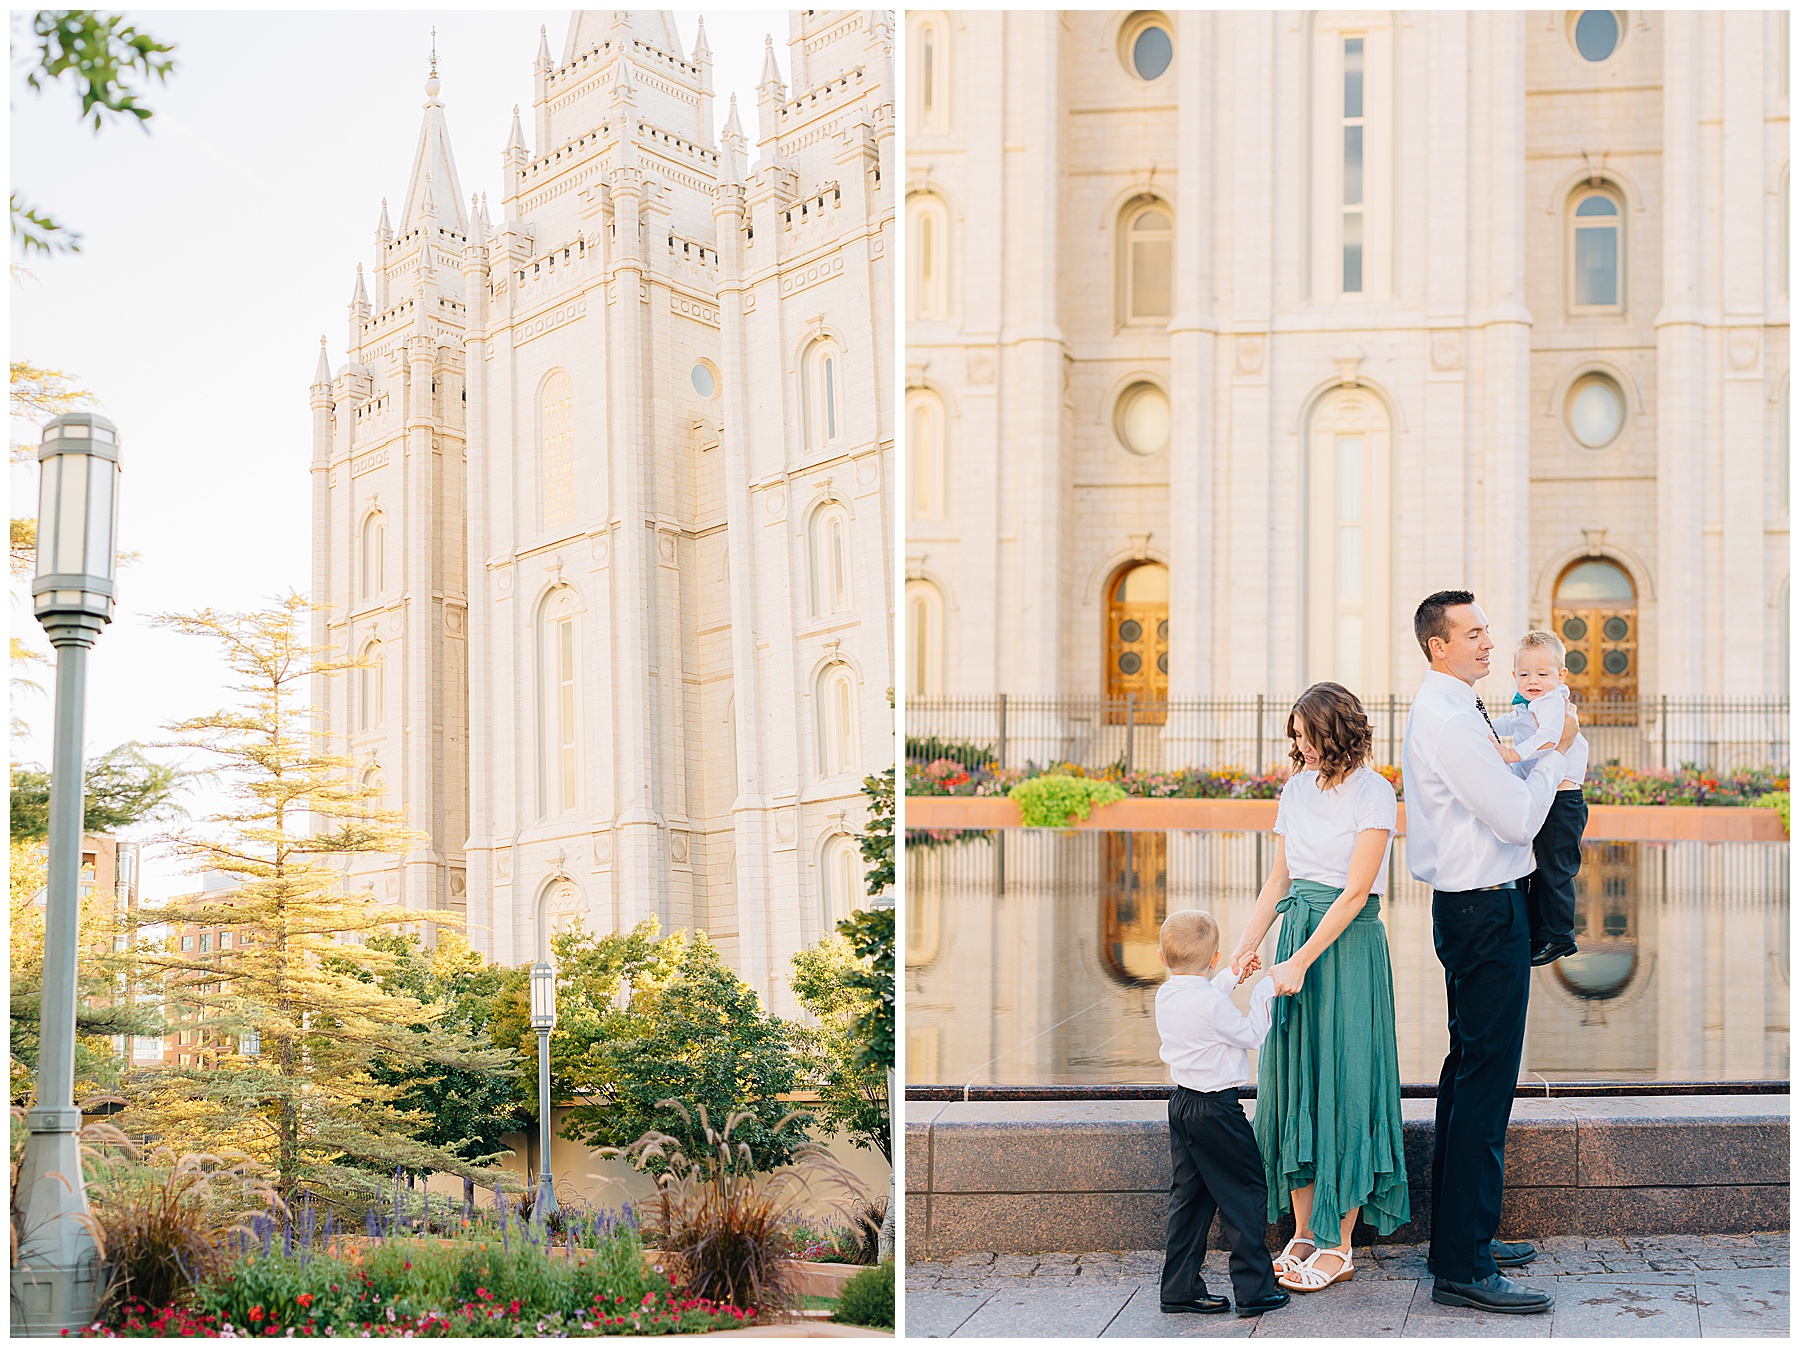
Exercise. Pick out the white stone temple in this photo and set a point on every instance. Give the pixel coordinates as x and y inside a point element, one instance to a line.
<point>602,492</point>
<point>1231,335</point>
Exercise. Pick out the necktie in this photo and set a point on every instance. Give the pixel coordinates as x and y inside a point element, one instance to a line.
<point>1484,716</point>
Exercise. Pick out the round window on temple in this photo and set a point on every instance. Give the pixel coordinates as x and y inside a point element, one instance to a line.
<point>1141,419</point>
<point>1596,33</point>
<point>1595,411</point>
<point>706,379</point>
<point>1147,46</point>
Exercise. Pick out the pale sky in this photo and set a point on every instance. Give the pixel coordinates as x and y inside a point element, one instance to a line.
<point>217,249</point>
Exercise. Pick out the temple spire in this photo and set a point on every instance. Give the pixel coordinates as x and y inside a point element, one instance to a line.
<point>433,163</point>
<point>322,373</point>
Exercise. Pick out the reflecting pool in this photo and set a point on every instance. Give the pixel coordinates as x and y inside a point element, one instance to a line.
<point>1031,958</point>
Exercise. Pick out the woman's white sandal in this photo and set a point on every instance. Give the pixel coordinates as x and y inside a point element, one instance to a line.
<point>1287,1261</point>
<point>1309,1277</point>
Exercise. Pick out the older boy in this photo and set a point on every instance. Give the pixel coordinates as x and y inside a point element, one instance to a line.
<point>1217,1168</point>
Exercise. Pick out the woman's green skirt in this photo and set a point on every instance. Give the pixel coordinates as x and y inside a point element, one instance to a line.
<point>1328,1079</point>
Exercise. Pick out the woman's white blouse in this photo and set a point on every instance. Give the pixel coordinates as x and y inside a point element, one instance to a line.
<point>1321,826</point>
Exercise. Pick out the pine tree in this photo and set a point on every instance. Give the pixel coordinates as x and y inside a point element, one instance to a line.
<point>302,1093</point>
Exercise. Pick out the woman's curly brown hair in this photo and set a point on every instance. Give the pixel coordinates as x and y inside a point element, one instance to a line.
<point>1338,728</point>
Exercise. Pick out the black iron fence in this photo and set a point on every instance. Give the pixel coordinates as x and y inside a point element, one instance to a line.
<point>1719,734</point>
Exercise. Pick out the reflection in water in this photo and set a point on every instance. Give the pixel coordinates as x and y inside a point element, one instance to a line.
<point>1031,958</point>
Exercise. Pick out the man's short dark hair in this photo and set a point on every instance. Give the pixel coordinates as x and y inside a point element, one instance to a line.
<point>1431,620</point>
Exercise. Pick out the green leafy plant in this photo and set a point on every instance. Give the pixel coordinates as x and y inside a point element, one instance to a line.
<point>1058,801</point>
<point>1775,800</point>
<point>726,1222</point>
<point>868,1298</point>
<point>852,1093</point>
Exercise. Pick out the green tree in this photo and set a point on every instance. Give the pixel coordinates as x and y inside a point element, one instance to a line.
<point>643,1018</point>
<point>877,842</point>
<point>853,1093</point>
<point>121,788</point>
<point>302,974</point>
<point>102,54</point>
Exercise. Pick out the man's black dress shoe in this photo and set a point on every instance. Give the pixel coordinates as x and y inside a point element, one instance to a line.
<point>1496,1292</point>
<point>1257,1305</point>
<point>1551,951</point>
<point>1200,1305</point>
<point>1512,1253</point>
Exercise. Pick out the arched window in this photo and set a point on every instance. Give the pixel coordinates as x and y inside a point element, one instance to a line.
<point>931,71</point>
<point>926,458</point>
<point>371,688</point>
<point>374,789</point>
<point>556,453</point>
<point>828,559</point>
<point>1596,252</point>
<point>1147,270</point>
<point>834,719</point>
<point>822,392</point>
<point>1595,613</point>
<point>558,704</point>
<point>841,884</point>
<point>560,907</point>
<point>374,556</point>
<point>924,639</point>
<point>1349,544</point>
<point>929,282</point>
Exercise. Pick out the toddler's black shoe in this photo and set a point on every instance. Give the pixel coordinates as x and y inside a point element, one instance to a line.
<point>1551,951</point>
<point>1200,1305</point>
<point>1257,1305</point>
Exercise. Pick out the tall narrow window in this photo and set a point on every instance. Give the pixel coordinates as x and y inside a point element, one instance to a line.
<point>1148,276</point>
<point>926,455</point>
<point>929,282</point>
<point>1597,258</point>
<point>821,390</point>
<point>831,403</point>
<point>558,704</point>
<point>931,68</point>
<point>834,720</point>
<point>828,560</point>
<point>371,688</point>
<point>565,642</point>
<point>924,640</point>
<point>1353,166</point>
<point>840,880</point>
<point>374,556</point>
<point>556,453</point>
<point>1349,567</point>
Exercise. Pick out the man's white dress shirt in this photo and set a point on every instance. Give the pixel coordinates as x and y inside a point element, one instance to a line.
<point>1206,1040</point>
<point>1469,820</point>
<point>1537,726</point>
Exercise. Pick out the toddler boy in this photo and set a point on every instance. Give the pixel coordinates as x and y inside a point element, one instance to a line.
<point>1541,674</point>
<point>1217,1168</point>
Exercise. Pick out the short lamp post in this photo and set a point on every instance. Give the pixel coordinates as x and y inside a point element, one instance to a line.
<point>543,1020</point>
<point>56,1270</point>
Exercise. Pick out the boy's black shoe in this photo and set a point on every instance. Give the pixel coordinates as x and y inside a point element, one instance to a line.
<point>1551,951</point>
<point>1257,1305</point>
<point>1200,1305</point>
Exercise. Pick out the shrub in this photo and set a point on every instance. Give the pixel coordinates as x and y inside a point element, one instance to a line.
<point>725,1223</point>
<point>1776,800</point>
<point>967,752</point>
<point>868,1298</point>
<point>1058,801</point>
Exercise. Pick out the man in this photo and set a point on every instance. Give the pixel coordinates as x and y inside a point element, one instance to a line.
<point>1469,826</point>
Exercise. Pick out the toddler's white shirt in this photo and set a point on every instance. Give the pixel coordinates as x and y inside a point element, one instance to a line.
<point>1537,726</point>
<point>1205,1038</point>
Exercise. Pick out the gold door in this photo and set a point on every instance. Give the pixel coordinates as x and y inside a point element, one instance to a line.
<point>1595,614</point>
<point>1134,870</point>
<point>1137,642</point>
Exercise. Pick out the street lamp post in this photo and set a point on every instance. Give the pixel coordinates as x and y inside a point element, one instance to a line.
<point>543,1020</point>
<point>55,1277</point>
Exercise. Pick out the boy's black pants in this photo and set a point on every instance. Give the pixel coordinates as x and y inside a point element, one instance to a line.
<point>1550,889</point>
<point>1217,1169</point>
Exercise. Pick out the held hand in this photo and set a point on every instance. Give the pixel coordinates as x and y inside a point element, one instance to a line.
<point>1510,755</point>
<point>1571,727</point>
<point>1288,976</point>
<point>1247,964</point>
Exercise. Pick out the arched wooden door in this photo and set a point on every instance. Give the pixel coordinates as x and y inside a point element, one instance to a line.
<point>1137,640</point>
<point>1595,614</point>
<point>1134,871</point>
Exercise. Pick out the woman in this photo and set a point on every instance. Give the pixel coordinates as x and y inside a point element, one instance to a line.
<point>1328,1079</point>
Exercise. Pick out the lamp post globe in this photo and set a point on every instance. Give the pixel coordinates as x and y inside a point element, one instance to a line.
<point>56,1267</point>
<point>543,1020</point>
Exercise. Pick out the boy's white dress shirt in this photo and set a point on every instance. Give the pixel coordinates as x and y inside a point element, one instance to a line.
<point>1469,820</point>
<point>1537,726</point>
<point>1205,1038</point>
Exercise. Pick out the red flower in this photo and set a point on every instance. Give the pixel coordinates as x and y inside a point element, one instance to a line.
<point>305,1299</point>
<point>256,1314</point>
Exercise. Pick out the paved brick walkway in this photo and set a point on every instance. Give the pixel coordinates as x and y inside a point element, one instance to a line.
<point>1636,1287</point>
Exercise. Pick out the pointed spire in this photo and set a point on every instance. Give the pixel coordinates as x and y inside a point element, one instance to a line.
<point>771,72</point>
<point>322,374</point>
<point>623,89</point>
<point>543,56</point>
<point>733,127</point>
<point>486,221</point>
<point>477,226</point>
<point>359,295</point>
<point>702,51</point>
<point>731,146</point>
<point>429,205</point>
<point>384,231</point>
<point>516,141</point>
<point>433,162</point>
